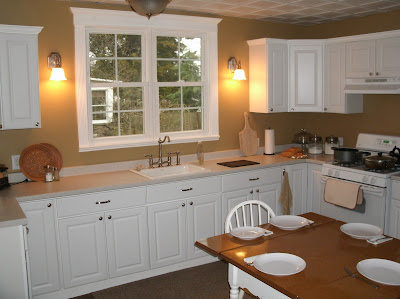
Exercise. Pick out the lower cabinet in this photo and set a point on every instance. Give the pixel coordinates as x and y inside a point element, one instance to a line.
<point>175,226</point>
<point>42,246</point>
<point>298,184</point>
<point>314,188</point>
<point>103,245</point>
<point>394,213</point>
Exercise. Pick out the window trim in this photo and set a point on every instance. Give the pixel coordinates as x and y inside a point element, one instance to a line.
<point>87,20</point>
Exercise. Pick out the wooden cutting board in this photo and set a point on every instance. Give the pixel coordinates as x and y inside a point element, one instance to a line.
<point>248,138</point>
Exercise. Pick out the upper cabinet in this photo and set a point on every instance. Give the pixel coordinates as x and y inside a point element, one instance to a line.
<point>19,80</point>
<point>305,76</point>
<point>374,58</point>
<point>268,75</point>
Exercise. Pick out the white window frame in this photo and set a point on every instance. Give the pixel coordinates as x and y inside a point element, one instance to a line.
<point>96,20</point>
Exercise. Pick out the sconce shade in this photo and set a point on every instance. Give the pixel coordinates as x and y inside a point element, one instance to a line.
<point>57,74</point>
<point>239,75</point>
<point>148,8</point>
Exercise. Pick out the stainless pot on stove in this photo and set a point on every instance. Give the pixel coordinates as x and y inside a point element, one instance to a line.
<point>345,155</point>
<point>380,162</point>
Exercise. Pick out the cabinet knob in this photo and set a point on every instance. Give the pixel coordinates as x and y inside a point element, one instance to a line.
<point>272,109</point>
<point>191,203</point>
<point>183,204</point>
<point>292,109</point>
<point>251,192</point>
<point>257,190</point>
<point>109,217</point>
<point>1,126</point>
<point>325,109</point>
<point>37,124</point>
<point>377,73</point>
<point>370,74</point>
<point>49,205</point>
<point>101,218</point>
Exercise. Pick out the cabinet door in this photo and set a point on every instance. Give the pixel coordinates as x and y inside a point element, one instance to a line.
<point>83,249</point>
<point>43,257</point>
<point>394,226</point>
<point>270,195</point>
<point>20,101</point>
<point>277,78</point>
<point>314,188</point>
<point>298,184</point>
<point>334,69</point>
<point>203,221</point>
<point>231,199</point>
<point>387,57</point>
<point>360,59</point>
<point>127,241</point>
<point>167,233</point>
<point>305,73</point>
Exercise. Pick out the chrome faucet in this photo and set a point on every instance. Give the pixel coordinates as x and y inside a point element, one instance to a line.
<point>160,161</point>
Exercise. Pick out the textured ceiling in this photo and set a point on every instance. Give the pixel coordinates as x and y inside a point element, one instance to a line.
<point>300,12</point>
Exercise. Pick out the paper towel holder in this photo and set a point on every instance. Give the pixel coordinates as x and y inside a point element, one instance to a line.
<point>265,149</point>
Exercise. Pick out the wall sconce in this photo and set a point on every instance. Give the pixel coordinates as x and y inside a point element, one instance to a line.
<point>236,67</point>
<point>54,62</point>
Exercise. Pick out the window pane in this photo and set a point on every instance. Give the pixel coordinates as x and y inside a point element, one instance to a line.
<point>192,96</point>
<point>129,70</point>
<point>167,71</point>
<point>170,97</point>
<point>170,121</point>
<point>104,99</point>
<point>131,98</point>
<point>131,123</point>
<point>102,70</point>
<point>167,47</point>
<point>128,45</point>
<point>190,48</point>
<point>101,45</point>
<point>105,124</point>
<point>192,119</point>
<point>191,71</point>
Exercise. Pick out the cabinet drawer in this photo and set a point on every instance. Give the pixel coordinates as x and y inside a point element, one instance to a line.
<point>249,179</point>
<point>183,189</point>
<point>100,201</point>
<point>396,189</point>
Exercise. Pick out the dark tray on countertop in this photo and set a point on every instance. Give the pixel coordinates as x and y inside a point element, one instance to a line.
<point>238,163</point>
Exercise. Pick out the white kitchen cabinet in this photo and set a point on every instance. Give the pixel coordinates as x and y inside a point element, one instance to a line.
<point>298,184</point>
<point>314,188</point>
<point>394,213</point>
<point>42,253</point>
<point>19,79</point>
<point>373,58</point>
<point>305,76</point>
<point>268,73</point>
<point>335,100</point>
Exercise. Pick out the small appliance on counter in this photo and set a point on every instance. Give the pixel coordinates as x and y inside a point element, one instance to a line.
<point>3,177</point>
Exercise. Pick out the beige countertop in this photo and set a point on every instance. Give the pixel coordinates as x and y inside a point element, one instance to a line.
<point>395,177</point>
<point>11,213</point>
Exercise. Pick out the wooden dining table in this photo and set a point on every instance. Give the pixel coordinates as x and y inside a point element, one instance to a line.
<point>326,251</point>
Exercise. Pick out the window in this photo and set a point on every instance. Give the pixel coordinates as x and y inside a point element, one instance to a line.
<point>138,80</point>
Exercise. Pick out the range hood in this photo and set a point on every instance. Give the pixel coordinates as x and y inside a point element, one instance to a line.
<point>373,86</point>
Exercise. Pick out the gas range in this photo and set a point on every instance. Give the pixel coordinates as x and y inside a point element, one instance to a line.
<point>359,173</point>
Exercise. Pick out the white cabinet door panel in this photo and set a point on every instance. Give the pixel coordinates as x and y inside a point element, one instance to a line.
<point>360,59</point>
<point>43,257</point>
<point>387,57</point>
<point>127,241</point>
<point>314,188</point>
<point>278,78</point>
<point>83,249</point>
<point>231,199</point>
<point>298,184</point>
<point>203,221</point>
<point>394,229</point>
<point>270,195</point>
<point>167,233</point>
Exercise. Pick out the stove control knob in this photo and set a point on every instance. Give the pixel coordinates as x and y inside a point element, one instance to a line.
<point>330,172</point>
<point>337,173</point>
<point>373,180</point>
<point>365,179</point>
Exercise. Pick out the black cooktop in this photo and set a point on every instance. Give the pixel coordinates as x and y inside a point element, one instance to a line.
<point>238,163</point>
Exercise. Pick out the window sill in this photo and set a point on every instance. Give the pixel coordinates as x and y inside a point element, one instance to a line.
<point>152,142</point>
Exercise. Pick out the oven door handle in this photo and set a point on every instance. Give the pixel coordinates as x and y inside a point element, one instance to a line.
<point>366,188</point>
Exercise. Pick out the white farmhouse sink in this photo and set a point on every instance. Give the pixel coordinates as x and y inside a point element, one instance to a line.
<point>167,171</point>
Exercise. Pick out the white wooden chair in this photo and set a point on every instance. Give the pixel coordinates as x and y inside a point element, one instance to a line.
<point>248,213</point>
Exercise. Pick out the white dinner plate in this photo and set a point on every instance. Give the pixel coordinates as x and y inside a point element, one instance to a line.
<point>279,264</point>
<point>380,270</point>
<point>288,222</point>
<point>362,231</point>
<point>247,232</point>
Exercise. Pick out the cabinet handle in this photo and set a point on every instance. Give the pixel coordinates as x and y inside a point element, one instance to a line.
<point>27,230</point>
<point>257,190</point>
<point>101,218</point>
<point>377,73</point>
<point>191,203</point>
<point>272,109</point>
<point>102,202</point>
<point>255,179</point>
<point>109,217</point>
<point>183,204</point>
<point>49,205</point>
<point>292,109</point>
<point>325,109</point>
<point>188,189</point>
<point>370,74</point>
<point>251,192</point>
<point>37,124</point>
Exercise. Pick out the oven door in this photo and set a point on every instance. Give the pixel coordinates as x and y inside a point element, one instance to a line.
<point>372,210</point>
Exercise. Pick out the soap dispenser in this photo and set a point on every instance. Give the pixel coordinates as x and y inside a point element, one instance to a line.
<point>200,153</point>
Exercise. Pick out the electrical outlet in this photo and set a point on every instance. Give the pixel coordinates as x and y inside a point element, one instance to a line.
<point>15,162</point>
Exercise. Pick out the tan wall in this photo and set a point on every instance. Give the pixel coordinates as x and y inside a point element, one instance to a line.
<point>59,125</point>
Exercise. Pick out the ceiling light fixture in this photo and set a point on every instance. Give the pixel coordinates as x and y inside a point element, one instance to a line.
<point>148,8</point>
<point>54,62</point>
<point>236,67</point>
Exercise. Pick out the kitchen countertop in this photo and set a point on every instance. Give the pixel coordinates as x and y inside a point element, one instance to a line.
<point>395,177</point>
<point>11,213</point>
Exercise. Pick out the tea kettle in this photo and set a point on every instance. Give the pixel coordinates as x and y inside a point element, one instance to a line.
<point>393,153</point>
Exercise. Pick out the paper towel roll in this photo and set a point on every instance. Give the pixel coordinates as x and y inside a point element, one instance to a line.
<point>269,148</point>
